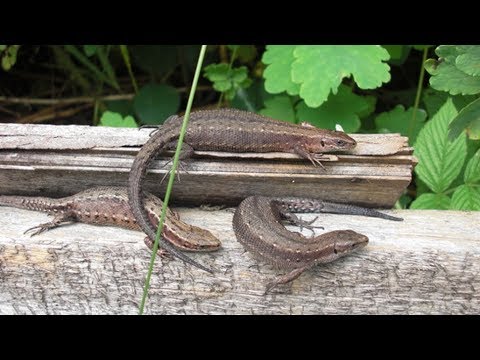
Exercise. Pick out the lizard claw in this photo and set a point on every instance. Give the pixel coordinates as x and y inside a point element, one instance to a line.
<point>181,165</point>
<point>39,229</point>
<point>315,160</point>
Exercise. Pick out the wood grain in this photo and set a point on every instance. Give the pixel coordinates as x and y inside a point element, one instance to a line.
<point>61,160</point>
<point>427,264</point>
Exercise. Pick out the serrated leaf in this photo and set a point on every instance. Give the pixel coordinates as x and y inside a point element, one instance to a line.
<point>468,118</point>
<point>155,103</point>
<point>113,119</point>
<point>279,107</point>
<point>320,69</point>
<point>227,80</point>
<point>431,201</point>
<point>466,198</point>
<point>399,120</point>
<point>472,170</point>
<point>342,108</point>
<point>446,76</point>
<point>278,73</point>
<point>469,62</point>
<point>434,99</point>
<point>440,161</point>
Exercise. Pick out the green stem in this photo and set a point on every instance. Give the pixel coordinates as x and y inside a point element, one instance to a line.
<point>126,59</point>
<point>172,174</point>
<point>102,54</point>
<point>89,65</point>
<point>232,59</point>
<point>411,125</point>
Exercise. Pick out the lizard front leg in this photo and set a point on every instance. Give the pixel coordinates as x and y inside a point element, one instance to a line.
<point>284,279</point>
<point>312,157</point>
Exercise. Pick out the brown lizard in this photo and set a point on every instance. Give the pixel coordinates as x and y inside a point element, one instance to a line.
<point>257,225</point>
<point>233,131</point>
<point>109,206</point>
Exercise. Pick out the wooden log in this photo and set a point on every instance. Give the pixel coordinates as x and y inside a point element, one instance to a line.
<point>427,264</point>
<point>61,160</point>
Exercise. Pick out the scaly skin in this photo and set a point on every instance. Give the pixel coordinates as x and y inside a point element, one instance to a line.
<point>109,206</point>
<point>257,225</point>
<point>233,131</point>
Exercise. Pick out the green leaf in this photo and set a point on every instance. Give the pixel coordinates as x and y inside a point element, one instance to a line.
<point>112,119</point>
<point>446,76</point>
<point>155,103</point>
<point>434,99</point>
<point>155,59</point>
<point>398,53</point>
<point>3,47</point>
<point>468,118</point>
<point>469,62</point>
<point>342,108</point>
<point>277,74</point>
<point>371,104</point>
<point>431,201</point>
<point>321,68</point>
<point>440,161</point>
<point>398,121</point>
<point>227,80</point>
<point>472,171</point>
<point>279,107</point>
<point>9,56</point>
<point>466,198</point>
<point>89,50</point>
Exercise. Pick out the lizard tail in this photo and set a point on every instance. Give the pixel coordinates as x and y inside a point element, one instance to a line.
<point>136,197</point>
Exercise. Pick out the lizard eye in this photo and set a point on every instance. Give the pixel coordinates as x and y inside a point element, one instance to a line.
<point>341,143</point>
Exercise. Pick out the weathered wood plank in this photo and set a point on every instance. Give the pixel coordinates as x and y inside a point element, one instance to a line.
<point>61,160</point>
<point>428,264</point>
<point>70,137</point>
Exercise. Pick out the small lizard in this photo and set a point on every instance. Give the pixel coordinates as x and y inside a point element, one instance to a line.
<point>257,225</point>
<point>109,206</point>
<point>233,131</point>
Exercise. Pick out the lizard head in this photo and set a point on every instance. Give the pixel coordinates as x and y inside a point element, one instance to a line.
<point>334,141</point>
<point>348,240</point>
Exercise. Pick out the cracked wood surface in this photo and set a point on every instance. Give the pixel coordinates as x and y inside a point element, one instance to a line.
<point>427,264</point>
<point>52,160</point>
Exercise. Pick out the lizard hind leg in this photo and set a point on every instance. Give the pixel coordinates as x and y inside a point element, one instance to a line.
<point>284,279</point>
<point>185,153</point>
<point>57,221</point>
<point>295,220</point>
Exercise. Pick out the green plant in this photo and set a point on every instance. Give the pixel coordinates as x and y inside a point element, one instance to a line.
<point>449,159</point>
<point>8,56</point>
<point>372,88</point>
